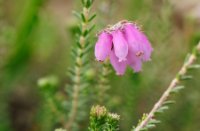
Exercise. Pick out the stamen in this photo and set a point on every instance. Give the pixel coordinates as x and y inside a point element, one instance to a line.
<point>140,53</point>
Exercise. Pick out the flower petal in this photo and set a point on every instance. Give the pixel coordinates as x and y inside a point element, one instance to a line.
<point>120,67</point>
<point>138,42</point>
<point>120,45</point>
<point>103,46</point>
<point>136,66</point>
<point>134,61</point>
<point>147,48</point>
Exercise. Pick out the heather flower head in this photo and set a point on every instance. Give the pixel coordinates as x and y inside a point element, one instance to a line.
<point>98,111</point>
<point>114,116</point>
<point>125,45</point>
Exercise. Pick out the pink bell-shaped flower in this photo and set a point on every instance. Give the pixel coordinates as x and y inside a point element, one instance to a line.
<point>125,44</point>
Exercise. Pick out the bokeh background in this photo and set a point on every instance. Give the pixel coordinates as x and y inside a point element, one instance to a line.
<point>36,37</point>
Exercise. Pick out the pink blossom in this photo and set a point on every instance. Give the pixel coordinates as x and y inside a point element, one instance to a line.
<point>120,45</point>
<point>119,67</point>
<point>125,44</point>
<point>103,46</point>
<point>138,42</point>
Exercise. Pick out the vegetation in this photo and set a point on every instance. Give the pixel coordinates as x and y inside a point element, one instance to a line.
<point>50,80</point>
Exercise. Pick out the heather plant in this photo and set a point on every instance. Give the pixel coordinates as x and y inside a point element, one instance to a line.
<point>119,57</point>
<point>78,90</point>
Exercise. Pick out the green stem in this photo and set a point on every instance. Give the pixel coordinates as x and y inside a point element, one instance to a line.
<point>79,64</point>
<point>103,84</point>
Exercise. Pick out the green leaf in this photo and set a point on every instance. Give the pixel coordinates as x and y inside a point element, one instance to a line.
<point>186,77</point>
<point>87,49</point>
<point>77,14</point>
<point>162,109</point>
<point>88,3</point>
<point>78,45</point>
<point>177,89</point>
<point>150,126</point>
<point>197,66</point>
<point>83,2</point>
<point>73,52</point>
<point>83,17</point>
<point>60,129</point>
<point>91,28</point>
<point>154,121</point>
<point>168,102</point>
<point>92,17</point>
<point>144,129</point>
<point>85,33</point>
<point>71,71</point>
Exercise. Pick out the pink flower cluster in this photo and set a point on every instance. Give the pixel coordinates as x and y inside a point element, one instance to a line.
<point>124,44</point>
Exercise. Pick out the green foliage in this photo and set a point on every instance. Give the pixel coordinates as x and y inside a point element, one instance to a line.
<point>22,47</point>
<point>52,106</point>
<point>19,49</point>
<point>48,84</point>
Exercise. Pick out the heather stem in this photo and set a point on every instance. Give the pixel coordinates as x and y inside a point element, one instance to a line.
<point>78,69</point>
<point>189,62</point>
<point>103,84</point>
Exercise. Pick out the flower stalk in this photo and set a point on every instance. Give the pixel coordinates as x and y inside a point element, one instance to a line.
<point>147,122</point>
<point>103,84</point>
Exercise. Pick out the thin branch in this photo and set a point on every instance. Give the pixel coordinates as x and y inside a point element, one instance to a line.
<point>173,85</point>
<point>103,84</point>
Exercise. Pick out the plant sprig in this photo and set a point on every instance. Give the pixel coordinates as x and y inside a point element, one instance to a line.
<point>148,121</point>
<point>80,54</point>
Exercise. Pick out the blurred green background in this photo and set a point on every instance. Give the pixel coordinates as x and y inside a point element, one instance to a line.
<point>35,41</point>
